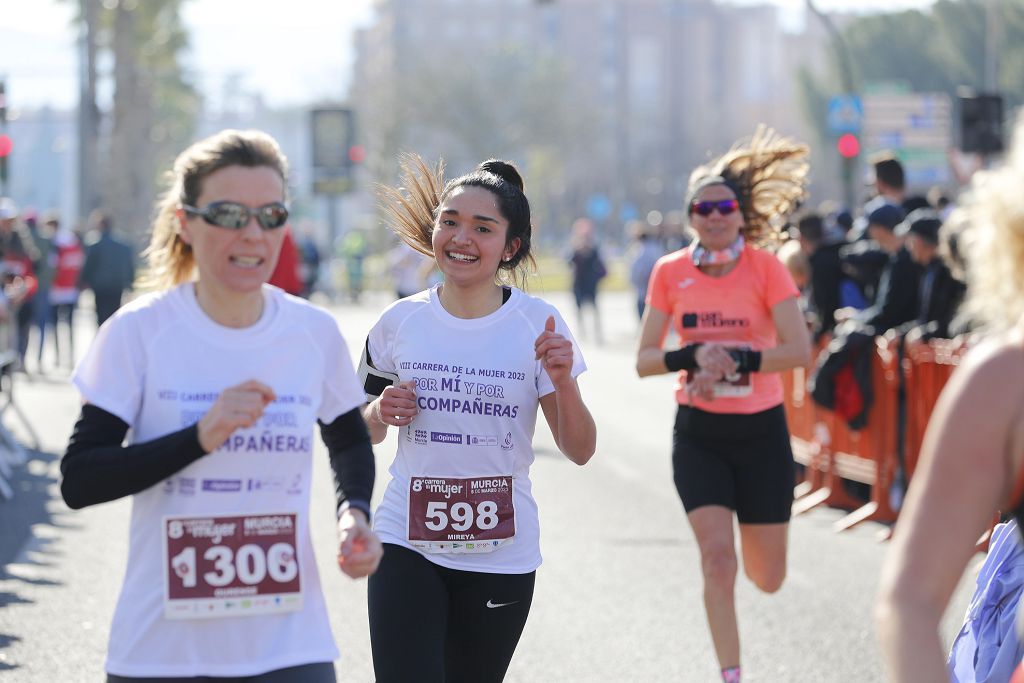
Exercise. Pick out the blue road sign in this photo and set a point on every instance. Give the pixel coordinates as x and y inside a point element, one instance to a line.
<point>845,114</point>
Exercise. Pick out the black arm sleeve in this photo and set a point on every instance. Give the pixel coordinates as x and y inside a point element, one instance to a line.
<point>96,468</point>
<point>348,445</point>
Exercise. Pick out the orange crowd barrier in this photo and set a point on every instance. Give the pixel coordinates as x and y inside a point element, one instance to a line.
<point>831,452</point>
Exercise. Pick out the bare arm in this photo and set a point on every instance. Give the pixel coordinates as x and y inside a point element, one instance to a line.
<point>966,472</point>
<point>650,358</point>
<point>794,347</point>
<point>371,413</point>
<point>396,407</point>
<point>568,417</point>
<point>571,423</point>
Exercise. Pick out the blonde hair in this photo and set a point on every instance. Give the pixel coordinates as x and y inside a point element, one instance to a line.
<point>993,240</point>
<point>768,173</point>
<point>411,209</point>
<point>169,260</point>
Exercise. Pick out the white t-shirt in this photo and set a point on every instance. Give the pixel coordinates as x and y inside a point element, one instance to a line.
<point>478,386</point>
<point>159,365</point>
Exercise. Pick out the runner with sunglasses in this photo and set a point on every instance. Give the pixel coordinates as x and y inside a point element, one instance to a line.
<point>734,308</point>
<point>460,370</point>
<point>221,379</point>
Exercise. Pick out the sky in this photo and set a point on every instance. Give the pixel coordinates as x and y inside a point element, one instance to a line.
<point>297,56</point>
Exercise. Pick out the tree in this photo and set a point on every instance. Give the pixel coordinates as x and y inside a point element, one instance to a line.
<point>154,107</point>
<point>153,110</point>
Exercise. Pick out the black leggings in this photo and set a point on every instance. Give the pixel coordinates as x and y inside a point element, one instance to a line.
<point>322,672</point>
<point>432,624</point>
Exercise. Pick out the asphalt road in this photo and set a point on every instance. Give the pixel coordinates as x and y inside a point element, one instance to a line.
<point>618,597</point>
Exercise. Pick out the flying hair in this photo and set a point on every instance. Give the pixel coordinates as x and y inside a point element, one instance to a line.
<point>768,173</point>
<point>410,210</point>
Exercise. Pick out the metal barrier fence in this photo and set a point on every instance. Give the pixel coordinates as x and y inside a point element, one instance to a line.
<point>12,453</point>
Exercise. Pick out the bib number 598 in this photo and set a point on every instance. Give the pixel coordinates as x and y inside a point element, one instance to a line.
<point>462,515</point>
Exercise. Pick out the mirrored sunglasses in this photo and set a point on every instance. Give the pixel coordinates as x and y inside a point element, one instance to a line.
<point>724,207</point>
<point>235,216</point>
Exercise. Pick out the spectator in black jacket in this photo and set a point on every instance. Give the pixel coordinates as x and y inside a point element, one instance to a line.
<point>826,272</point>
<point>109,267</point>
<point>896,301</point>
<point>939,293</point>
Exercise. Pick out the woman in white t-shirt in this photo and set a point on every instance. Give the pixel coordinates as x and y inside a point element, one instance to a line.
<point>221,379</point>
<point>461,369</point>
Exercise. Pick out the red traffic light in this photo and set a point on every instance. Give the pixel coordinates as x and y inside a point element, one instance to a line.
<point>6,145</point>
<point>848,146</point>
<point>357,154</point>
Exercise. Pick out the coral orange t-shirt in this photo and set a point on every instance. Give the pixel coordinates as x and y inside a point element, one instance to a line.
<point>735,310</point>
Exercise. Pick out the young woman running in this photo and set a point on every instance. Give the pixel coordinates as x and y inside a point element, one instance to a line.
<point>734,307</point>
<point>221,379</point>
<point>460,370</point>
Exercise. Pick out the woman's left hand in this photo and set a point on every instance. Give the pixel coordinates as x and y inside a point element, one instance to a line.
<point>359,549</point>
<point>554,352</point>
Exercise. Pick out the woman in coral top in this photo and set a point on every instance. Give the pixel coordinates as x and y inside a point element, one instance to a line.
<point>734,309</point>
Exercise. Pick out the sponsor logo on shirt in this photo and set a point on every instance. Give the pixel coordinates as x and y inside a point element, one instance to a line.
<point>222,485</point>
<point>186,486</point>
<point>712,319</point>
<point>445,437</point>
<point>268,484</point>
<point>481,440</point>
<point>506,444</point>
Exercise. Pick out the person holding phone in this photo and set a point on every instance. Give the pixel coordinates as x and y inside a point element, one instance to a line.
<point>221,379</point>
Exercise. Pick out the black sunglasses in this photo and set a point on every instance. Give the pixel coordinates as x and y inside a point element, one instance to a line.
<point>235,216</point>
<point>725,207</point>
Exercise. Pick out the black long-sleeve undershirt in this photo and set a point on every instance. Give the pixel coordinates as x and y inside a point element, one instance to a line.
<point>97,468</point>
<point>351,453</point>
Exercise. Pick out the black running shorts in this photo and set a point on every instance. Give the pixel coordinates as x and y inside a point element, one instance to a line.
<point>742,462</point>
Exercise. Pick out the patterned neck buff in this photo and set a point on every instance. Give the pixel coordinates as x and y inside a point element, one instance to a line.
<point>702,256</point>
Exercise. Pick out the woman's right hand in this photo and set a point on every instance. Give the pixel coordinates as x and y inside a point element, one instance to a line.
<point>715,359</point>
<point>237,407</point>
<point>397,405</point>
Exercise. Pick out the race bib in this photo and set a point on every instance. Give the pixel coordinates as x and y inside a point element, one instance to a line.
<point>449,515</point>
<point>230,566</point>
<point>735,385</point>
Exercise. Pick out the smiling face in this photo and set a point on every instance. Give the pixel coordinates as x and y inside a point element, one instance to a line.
<point>234,263</point>
<point>469,237</point>
<point>716,231</point>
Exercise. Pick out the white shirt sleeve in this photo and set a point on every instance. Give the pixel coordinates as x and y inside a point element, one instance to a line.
<point>544,385</point>
<point>112,374</point>
<point>341,390</point>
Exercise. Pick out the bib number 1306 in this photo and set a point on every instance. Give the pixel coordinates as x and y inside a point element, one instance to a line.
<point>453,515</point>
<point>250,565</point>
<point>231,566</point>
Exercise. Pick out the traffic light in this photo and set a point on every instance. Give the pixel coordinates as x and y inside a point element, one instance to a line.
<point>981,123</point>
<point>848,146</point>
<point>6,144</point>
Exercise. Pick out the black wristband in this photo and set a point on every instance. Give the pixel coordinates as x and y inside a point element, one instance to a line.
<point>682,359</point>
<point>746,360</point>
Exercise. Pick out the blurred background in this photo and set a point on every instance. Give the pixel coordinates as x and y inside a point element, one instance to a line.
<point>606,105</point>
